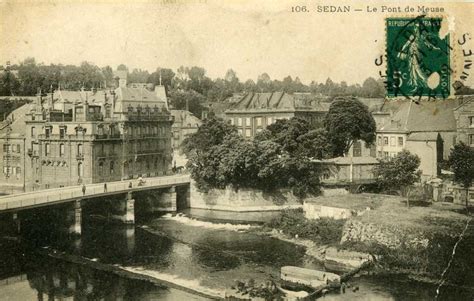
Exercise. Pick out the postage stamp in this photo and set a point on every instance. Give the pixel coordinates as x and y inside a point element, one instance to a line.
<point>418,58</point>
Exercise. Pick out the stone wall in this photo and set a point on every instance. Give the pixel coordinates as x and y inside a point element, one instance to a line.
<point>393,238</point>
<point>242,199</point>
<point>315,211</point>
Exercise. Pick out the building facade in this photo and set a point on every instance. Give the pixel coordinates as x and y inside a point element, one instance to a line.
<point>255,111</point>
<point>74,137</point>
<point>464,115</point>
<point>185,124</point>
<point>426,129</point>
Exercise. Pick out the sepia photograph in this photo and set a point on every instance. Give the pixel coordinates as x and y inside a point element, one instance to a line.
<point>174,150</point>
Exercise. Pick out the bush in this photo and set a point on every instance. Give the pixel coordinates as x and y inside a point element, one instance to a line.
<point>293,222</point>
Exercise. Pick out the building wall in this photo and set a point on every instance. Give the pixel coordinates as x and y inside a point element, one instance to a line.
<point>390,144</point>
<point>465,123</point>
<point>427,152</point>
<point>12,167</point>
<point>249,124</point>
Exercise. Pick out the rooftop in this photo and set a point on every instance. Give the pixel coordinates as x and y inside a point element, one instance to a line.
<point>426,116</point>
<point>278,101</point>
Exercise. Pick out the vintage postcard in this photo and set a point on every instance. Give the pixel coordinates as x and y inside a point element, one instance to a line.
<point>236,150</point>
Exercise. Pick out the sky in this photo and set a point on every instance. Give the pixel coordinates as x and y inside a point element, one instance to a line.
<point>251,37</point>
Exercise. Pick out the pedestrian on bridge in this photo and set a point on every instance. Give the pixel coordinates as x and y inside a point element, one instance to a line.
<point>105,187</point>
<point>83,189</point>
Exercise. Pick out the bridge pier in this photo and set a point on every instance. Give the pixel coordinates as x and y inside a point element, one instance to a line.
<point>126,208</point>
<point>74,217</point>
<point>166,201</point>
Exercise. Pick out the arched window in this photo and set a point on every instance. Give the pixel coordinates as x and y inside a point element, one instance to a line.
<point>80,170</point>
<point>33,132</point>
<point>101,168</point>
<point>61,149</point>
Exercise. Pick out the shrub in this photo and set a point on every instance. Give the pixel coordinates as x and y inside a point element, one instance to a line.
<point>293,222</point>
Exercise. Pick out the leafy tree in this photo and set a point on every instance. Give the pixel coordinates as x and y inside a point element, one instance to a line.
<point>347,121</point>
<point>122,67</point>
<point>461,161</point>
<point>180,99</point>
<point>138,76</point>
<point>398,173</point>
<point>9,84</point>
<point>211,133</point>
<point>219,157</point>
<point>108,75</point>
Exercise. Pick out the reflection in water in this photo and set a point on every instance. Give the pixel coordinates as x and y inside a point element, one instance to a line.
<point>210,256</point>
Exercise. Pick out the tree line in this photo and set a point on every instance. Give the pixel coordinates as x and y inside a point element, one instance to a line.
<point>191,83</point>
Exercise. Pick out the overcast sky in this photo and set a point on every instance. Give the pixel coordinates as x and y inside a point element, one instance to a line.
<point>250,37</point>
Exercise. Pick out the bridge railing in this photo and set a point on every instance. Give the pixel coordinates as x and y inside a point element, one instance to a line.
<point>28,199</point>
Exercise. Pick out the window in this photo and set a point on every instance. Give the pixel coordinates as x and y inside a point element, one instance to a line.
<point>107,112</point>
<point>18,148</point>
<point>357,149</point>
<point>231,121</point>
<point>269,120</point>
<point>239,121</point>
<point>47,132</point>
<point>259,121</point>
<point>400,141</point>
<point>80,170</point>
<point>258,130</point>
<point>248,133</point>
<point>79,149</point>
<point>240,131</point>
<point>247,121</point>
<point>33,132</point>
<point>392,141</point>
<point>112,163</point>
<point>18,171</point>
<point>385,154</point>
<point>471,120</point>
<point>62,133</point>
<point>379,140</point>
<point>61,149</point>
<point>101,168</point>
<point>46,149</point>
<point>471,139</point>
<point>385,140</point>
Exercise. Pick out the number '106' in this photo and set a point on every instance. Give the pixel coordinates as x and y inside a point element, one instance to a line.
<point>299,9</point>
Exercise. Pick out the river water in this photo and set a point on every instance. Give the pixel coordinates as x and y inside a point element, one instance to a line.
<point>205,256</point>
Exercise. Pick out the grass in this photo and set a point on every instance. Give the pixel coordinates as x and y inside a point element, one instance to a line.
<point>322,231</point>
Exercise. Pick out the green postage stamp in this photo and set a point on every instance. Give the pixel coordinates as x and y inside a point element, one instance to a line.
<point>418,58</point>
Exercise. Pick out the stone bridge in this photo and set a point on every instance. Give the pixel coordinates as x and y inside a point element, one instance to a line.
<point>117,199</point>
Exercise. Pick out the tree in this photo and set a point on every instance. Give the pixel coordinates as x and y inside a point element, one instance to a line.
<point>219,157</point>
<point>399,172</point>
<point>347,121</point>
<point>211,133</point>
<point>122,67</point>
<point>191,100</point>
<point>461,161</point>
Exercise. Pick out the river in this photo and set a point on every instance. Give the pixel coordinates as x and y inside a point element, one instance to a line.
<point>205,257</point>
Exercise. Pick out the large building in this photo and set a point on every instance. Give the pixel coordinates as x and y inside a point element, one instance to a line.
<point>73,137</point>
<point>255,111</point>
<point>427,129</point>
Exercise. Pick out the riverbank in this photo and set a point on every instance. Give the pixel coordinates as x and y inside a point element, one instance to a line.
<point>417,241</point>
